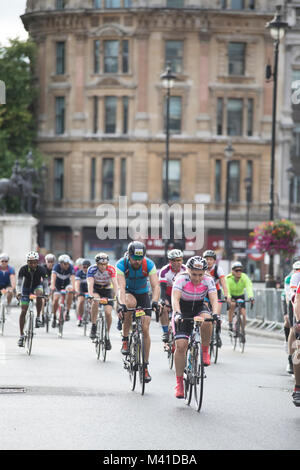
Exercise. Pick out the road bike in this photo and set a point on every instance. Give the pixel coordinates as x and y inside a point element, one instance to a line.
<point>62,310</point>
<point>86,314</point>
<point>3,310</point>
<point>238,335</point>
<point>215,342</point>
<point>134,361</point>
<point>47,313</point>
<point>169,346</point>
<point>101,329</point>
<point>194,372</point>
<point>29,322</point>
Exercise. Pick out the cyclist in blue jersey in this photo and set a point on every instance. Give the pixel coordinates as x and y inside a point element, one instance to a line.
<point>133,271</point>
<point>63,278</point>
<point>7,277</point>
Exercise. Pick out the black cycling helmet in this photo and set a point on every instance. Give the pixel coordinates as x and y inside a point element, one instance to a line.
<point>197,262</point>
<point>101,258</point>
<point>209,254</point>
<point>86,262</point>
<point>136,250</point>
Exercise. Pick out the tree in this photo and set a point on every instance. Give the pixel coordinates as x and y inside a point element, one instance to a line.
<point>18,117</point>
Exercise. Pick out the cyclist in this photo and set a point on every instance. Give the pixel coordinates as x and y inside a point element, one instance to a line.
<point>188,294</point>
<point>100,277</point>
<point>133,271</point>
<point>32,279</point>
<point>237,282</point>
<point>219,277</point>
<point>81,288</point>
<point>295,342</point>
<point>7,277</point>
<point>62,278</point>
<point>166,278</point>
<point>78,265</point>
<point>48,265</point>
<point>291,292</point>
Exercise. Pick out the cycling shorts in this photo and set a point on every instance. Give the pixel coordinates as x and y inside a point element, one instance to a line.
<point>142,301</point>
<point>183,329</point>
<point>26,292</point>
<point>104,292</point>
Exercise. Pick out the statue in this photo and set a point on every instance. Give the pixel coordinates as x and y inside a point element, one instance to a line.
<point>20,184</point>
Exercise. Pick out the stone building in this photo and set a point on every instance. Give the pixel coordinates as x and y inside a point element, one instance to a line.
<point>102,110</point>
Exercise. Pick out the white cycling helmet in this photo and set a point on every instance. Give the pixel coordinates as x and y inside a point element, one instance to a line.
<point>236,264</point>
<point>296,265</point>
<point>50,257</point>
<point>79,261</point>
<point>174,254</point>
<point>4,257</point>
<point>32,256</point>
<point>64,259</point>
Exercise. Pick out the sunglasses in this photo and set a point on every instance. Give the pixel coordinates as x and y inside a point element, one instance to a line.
<point>238,270</point>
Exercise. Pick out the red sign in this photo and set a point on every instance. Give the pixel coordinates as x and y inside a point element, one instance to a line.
<point>255,256</point>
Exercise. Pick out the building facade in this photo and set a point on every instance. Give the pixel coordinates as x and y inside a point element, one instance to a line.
<point>102,111</point>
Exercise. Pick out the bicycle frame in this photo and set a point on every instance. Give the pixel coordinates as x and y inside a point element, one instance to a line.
<point>3,309</point>
<point>101,331</point>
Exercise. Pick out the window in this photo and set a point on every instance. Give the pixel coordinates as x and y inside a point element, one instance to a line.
<point>237,4</point>
<point>58,179</point>
<point>125,102</point>
<point>174,179</point>
<point>112,3</point>
<point>123,177</point>
<point>97,3</point>
<point>111,56</point>
<point>110,114</point>
<point>175,3</point>
<point>236,58</point>
<point>249,174</point>
<point>60,4</point>
<point>93,178</point>
<point>174,114</point>
<point>252,4</point>
<point>95,114</point>
<point>60,115</point>
<point>107,179</point>
<point>125,56</point>
<point>174,55</point>
<point>250,117</point>
<point>235,116</point>
<point>295,150</point>
<point>223,4</point>
<point>97,56</point>
<point>218,175</point>
<point>220,113</point>
<point>60,58</point>
<point>234,180</point>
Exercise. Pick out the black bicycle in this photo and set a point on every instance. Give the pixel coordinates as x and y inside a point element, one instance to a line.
<point>215,343</point>
<point>86,313</point>
<point>238,335</point>
<point>169,346</point>
<point>101,329</point>
<point>134,361</point>
<point>194,372</point>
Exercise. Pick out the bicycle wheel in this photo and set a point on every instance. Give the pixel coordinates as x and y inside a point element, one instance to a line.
<point>132,363</point>
<point>198,368</point>
<point>236,332</point>
<point>2,319</point>
<point>214,348</point>
<point>171,348</point>
<point>61,321</point>
<point>85,320</point>
<point>242,337</point>
<point>141,362</point>
<point>188,378</point>
<point>29,334</point>
<point>98,342</point>
<point>47,316</point>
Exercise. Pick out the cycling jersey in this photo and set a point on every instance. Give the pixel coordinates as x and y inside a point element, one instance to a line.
<point>136,279</point>
<point>237,288</point>
<point>189,291</point>
<point>32,278</point>
<point>294,284</point>
<point>63,276</point>
<point>167,276</point>
<point>81,276</point>
<point>5,276</point>
<point>217,273</point>
<point>102,279</point>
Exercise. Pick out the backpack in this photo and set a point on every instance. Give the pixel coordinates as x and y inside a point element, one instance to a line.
<point>144,267</point>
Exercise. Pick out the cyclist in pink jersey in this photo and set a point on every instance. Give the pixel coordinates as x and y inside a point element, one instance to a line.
<point>188,294</point>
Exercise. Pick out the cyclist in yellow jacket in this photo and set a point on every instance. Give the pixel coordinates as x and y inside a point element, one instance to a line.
<point>237,282</point>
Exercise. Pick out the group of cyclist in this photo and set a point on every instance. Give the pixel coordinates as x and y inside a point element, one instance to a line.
<point>185,290</point>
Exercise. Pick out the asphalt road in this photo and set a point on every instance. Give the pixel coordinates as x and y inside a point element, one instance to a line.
<point>69,400</point>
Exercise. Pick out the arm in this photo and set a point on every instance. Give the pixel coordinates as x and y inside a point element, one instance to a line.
<point>12,278</point>
<point>90,283</point>
<point>224,286</point>
<point>77,285</point>
<point>73,281</point>
<point>122,286</point>
<point>176,295</point>
<point>213,298</point>
<point>249,287</point>
<point>53,280</point>
<point>115,285</point>
<point>155,287</point>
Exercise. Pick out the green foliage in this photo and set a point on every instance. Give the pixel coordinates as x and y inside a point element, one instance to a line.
<point>18,118</point>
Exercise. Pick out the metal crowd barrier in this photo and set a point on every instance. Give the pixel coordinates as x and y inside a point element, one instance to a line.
<point>267,311</point>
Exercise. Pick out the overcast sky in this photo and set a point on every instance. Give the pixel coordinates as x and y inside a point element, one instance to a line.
<point>11,25</point>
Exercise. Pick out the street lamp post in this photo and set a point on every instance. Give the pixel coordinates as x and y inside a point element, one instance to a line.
<point>290,175</point>
<point>248,186</point>
<point>228,151</point>
<point>168,79</point>
<point>277,29</point>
